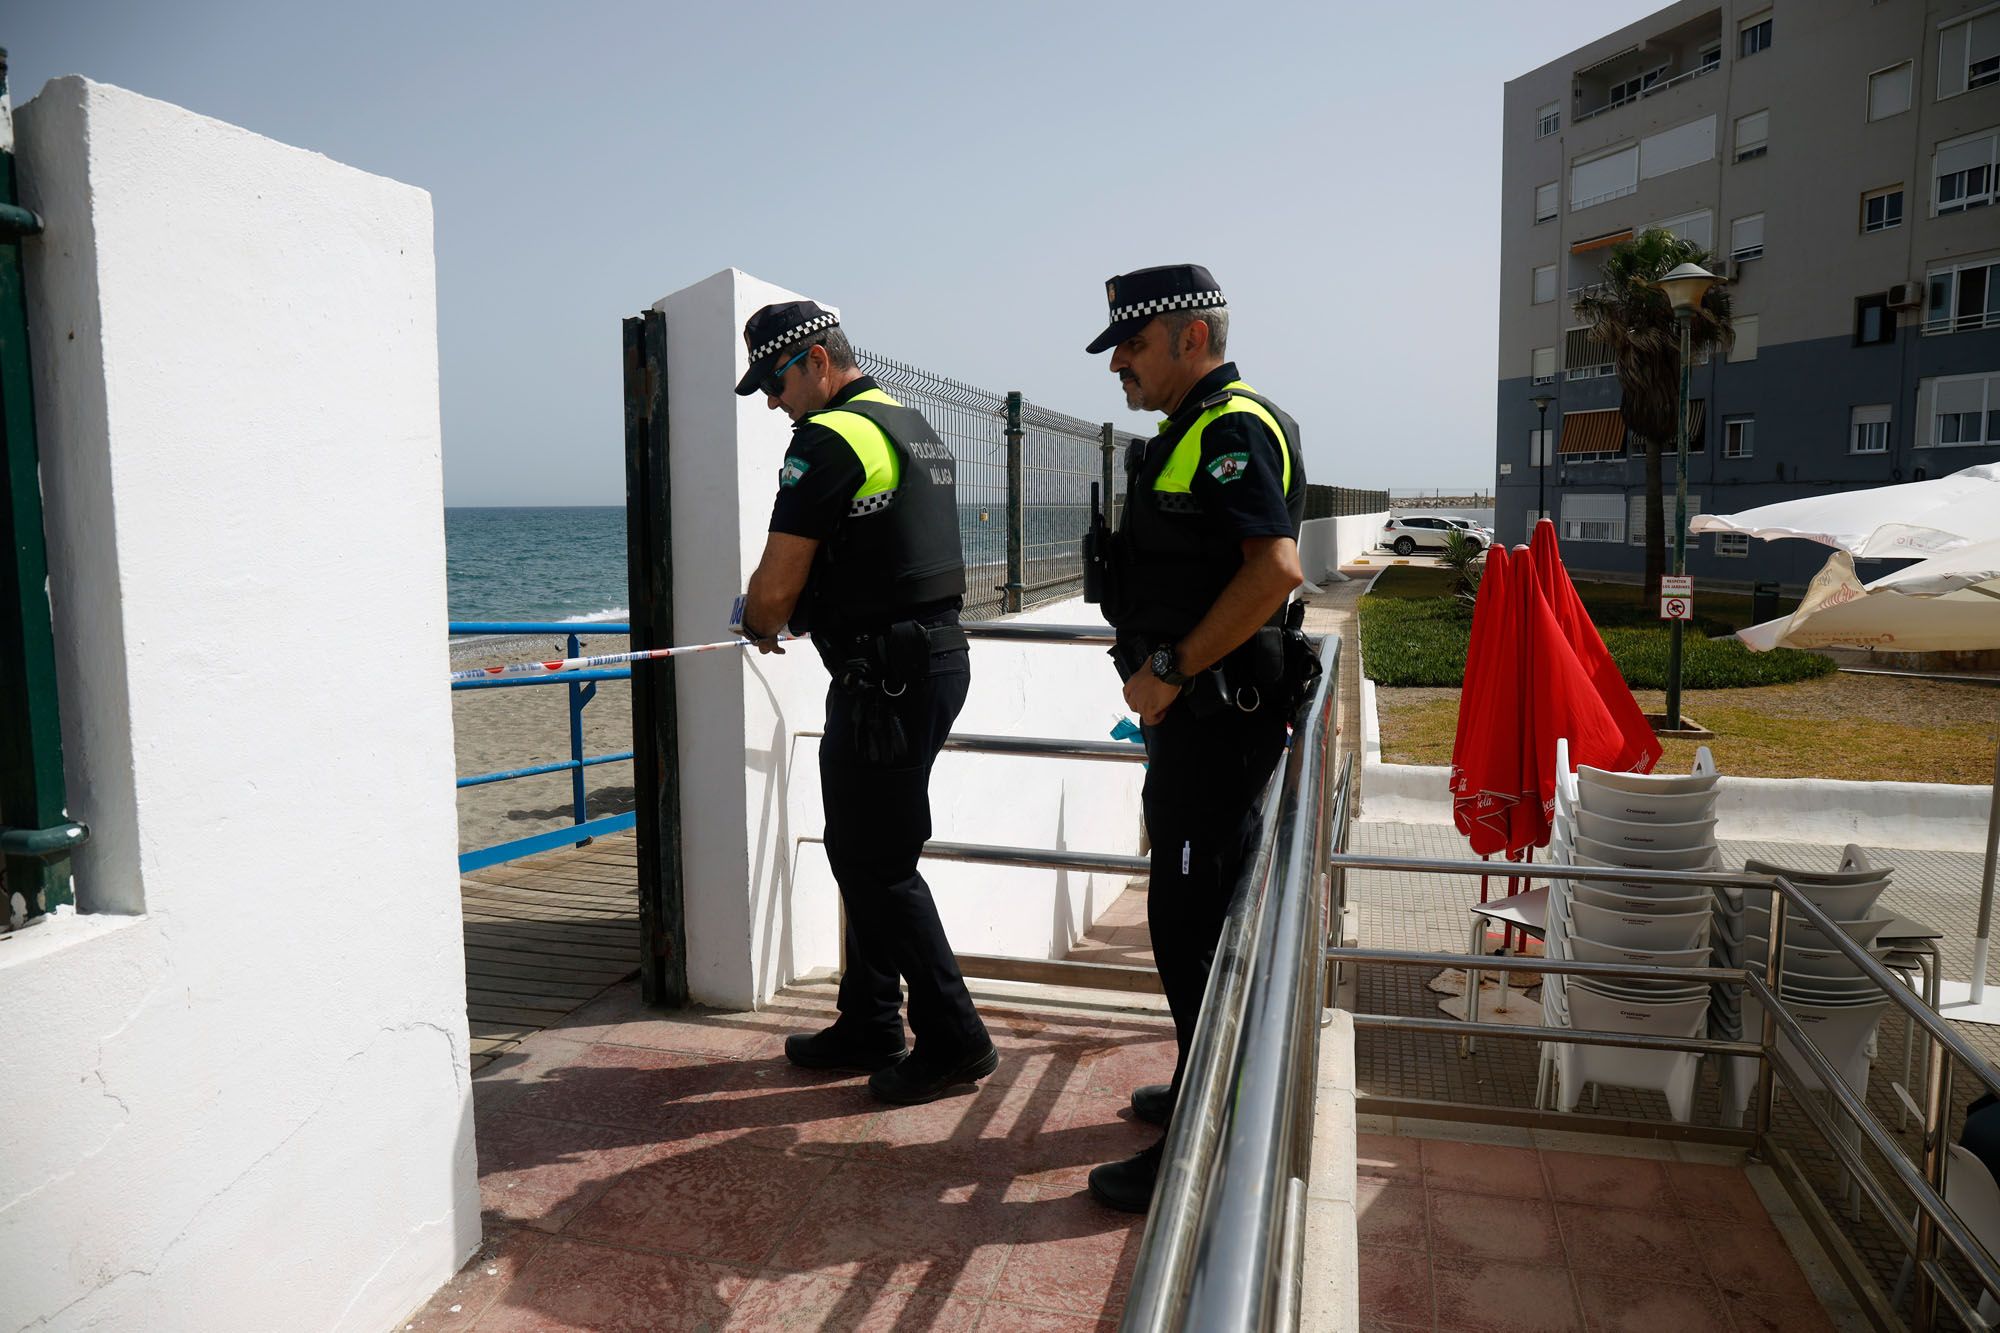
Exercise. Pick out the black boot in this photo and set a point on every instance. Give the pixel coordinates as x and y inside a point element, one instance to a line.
<point>1153,1103</point>
<point>922,1079</point>
<point>831,1048</point>
<point>1128,1185</point>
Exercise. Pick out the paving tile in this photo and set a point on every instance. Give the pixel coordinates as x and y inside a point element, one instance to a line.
<point>1768,1314</point>
<point>1387,1214</point>
<point>540,1172</point>
<point>593,1020</point>
<point>1073,1256</point>
<point>1098,1128</point>
<point>776,1105</point>
<point>1495,1296</point>
<point>1493,1226</point>
<point>570,1285</point>
<point>736,1036</point>
<point>622,1085</point>
<point>877,1224</point>
<point>995,1318</point>
<point>489,1272</point>
<point>1744,1259</point>
<point>1395,1287</point>
<point>804,1301</point>
<point>1608,1182</point>
<point>1388,1156</point>
<point>1617,1240</point>
<point>1130,1062</point>
<point>1483,1168</point>
<point>732,1205</point>
<point>510,1075</point>
<point>998,1131</point>
<point>1616,1303</point>
<point>1720,1193</point>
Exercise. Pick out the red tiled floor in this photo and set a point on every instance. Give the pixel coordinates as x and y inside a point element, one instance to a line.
<point>1625,1304</point>
<point>1493,1226</point>
<point>1771,1314</point>
<point>1496,1296</point>
<point>1395,1288</point>
<point>776,1105</point>
<point>1074,1256</point>
<point>1130,1062</point>
<point>1099,1127</point>
<point>732,1205</point>
<point>806,1302</point>
<point>1389,1157</point>
<point>734,1036</point>
<point>569,1285</point>
<point>623,1086</point>
<point>996,1131</point>
<point>1014,1319</point>
<point>1750,1258</point>
<point>1722,1193</point>
<point>492,1268</point>
<point>1388,1214</point>
<point>542,1171</point>
<point>882,1225</point>
<point>1609,1182</point>
<point>1621,1240</point>
<point>1483,1168</point>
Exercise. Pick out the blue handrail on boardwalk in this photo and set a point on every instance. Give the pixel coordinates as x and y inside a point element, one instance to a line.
<point>582,689</point>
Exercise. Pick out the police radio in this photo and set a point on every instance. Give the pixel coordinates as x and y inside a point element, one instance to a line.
<point>1096,548</point>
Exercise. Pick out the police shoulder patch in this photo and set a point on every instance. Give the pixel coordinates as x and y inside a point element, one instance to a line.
<point>794,469</point>
<point>1229,467</point>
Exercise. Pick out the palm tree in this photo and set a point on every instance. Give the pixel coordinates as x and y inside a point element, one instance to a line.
<point>1631,316</point>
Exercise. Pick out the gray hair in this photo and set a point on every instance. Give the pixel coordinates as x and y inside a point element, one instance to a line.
<point>839,351</point>
<point>1215,316</point>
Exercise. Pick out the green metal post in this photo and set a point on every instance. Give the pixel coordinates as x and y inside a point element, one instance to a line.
<point>1017,506</point>
<point>31,768</point>
<point>1680,532</point>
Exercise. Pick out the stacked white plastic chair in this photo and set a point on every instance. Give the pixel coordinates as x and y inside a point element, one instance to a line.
<point>1636,822</point>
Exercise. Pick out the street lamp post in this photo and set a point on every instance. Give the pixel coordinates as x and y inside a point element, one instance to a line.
<point>1541,402</point>
<point>1684,287</point>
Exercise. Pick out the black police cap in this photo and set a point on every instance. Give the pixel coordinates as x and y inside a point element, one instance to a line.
<point>776,328</point>
<point>1136,297</point>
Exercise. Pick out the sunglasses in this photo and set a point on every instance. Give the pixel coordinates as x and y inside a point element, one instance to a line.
<point>773,384</point>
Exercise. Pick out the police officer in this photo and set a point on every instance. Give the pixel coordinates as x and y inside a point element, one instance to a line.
<point>864,554</point>
<point>1200,571</point>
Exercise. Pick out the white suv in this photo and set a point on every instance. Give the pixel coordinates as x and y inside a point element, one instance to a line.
<point>1405,533</point>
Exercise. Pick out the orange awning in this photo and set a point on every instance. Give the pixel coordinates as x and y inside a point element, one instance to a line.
<point>1601,242</point>
<point>1593,432</point>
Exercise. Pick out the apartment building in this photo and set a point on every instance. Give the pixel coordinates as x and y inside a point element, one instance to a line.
<point>1841,161</point>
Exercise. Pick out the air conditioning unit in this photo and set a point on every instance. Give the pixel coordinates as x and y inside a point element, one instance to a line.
<point>1905,295</point>
<point>1732,271</point>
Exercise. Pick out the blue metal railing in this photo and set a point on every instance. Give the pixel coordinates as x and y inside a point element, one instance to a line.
<point>582,689</point>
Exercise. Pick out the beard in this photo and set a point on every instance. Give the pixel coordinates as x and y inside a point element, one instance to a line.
<point>1134,395</point>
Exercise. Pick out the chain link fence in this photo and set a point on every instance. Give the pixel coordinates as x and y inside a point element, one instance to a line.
<point>1342,501</point>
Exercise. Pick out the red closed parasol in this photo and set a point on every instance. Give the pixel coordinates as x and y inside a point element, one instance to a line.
<point>1485,762</point>
<point>1640,750</point>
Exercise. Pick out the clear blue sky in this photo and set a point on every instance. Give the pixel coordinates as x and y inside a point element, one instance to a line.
<point>960,180</point>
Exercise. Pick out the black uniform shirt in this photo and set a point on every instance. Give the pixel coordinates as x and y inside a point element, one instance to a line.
<point>1240,481</point>
<point>820,475</point>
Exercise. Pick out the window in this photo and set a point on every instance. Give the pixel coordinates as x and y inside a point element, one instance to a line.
<point>1736,545</point>
<point>1545,283</point>
<point>1628,89</point>
<point>1547,205</point>
<point>1538,450</point>
<point>1882,209</point>
<point>1962,172</point>
<point>1611,175</point>
<point>1696,228</point>
<point>1739,437</point>
<point>1745,346</point>
<point>1635,517</point>
<point>1746,238</point>
<point>1754,35</point>
<point>1584,356</point>
<point>1752,134</point>
<point>1964,297</point>
<point>1593,518</point>
<point>1548,120</point>
<point>1958,410</point>
<point>1710,58</point>
<point>1871,430</point>
<point>1873,321</point>
<point>1545,365</point>
<point>1969,54</point>
<point>1889,92</point>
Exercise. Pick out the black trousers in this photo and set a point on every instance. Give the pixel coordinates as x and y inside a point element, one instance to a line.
<point>878,817</point>
<point>1203,778</point>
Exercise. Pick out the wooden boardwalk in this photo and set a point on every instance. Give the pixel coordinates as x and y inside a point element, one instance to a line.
<point>545,935</point>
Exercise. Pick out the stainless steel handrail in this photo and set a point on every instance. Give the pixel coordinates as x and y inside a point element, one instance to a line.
<point>1019,633</point>
<point>1208,1257</point>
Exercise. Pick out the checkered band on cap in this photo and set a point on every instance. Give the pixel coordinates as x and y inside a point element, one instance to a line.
<point>793,334</point>
<point>874,504</point>
<point>1185,301</point>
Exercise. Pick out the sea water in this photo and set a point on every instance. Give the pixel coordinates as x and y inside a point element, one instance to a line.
<point>536,564</point>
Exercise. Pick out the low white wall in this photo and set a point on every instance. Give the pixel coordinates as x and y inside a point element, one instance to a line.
<point>761,905</point>
<point>1357,533</point>
<point>242,1103</point>
<point>1924,816</point>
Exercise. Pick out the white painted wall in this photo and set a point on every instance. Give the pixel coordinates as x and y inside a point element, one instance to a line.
<point>761,906</point>
<point>237,1097</point>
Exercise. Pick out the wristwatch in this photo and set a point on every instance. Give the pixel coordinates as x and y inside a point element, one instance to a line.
<point>1163,664</point>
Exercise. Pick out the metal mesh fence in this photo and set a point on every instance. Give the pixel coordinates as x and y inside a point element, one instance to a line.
<point>1061,456</point>
<point>1340,501</point>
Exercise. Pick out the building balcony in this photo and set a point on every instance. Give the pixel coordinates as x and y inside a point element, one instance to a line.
<point>1648,69</point>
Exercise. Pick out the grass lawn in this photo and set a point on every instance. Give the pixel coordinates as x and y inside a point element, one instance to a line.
<point>1862,728</point>
<point>1609,604</point>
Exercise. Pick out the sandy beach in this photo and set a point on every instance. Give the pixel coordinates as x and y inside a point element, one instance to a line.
<point>529,725</point>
